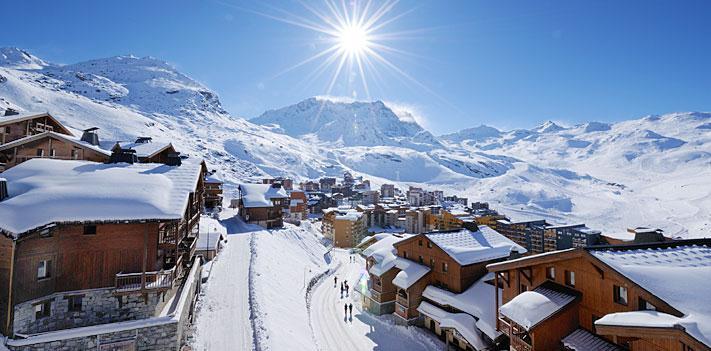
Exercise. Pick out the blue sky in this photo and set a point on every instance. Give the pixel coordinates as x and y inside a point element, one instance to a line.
<point>509,64</point>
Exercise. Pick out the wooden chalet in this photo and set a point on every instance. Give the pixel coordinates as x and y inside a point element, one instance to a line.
<point>626,297</point>
<point>213,190</point>
<point>148,151</point>
<point>412,276</point>
<point>110,232</point>
<point>18,126</point>
<point>262,204</point>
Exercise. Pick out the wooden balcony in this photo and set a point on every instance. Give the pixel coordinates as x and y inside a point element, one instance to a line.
<point>128,283</point>
<point>402,301</point>
<point>515,341</point>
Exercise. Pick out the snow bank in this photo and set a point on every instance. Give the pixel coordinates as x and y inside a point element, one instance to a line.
<point>44,191</point>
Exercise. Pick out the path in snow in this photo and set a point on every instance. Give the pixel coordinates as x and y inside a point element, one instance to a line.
<point>223,314</point>
<point>333,331</point>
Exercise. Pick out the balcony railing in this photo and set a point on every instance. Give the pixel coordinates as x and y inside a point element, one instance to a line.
<point>515,342</point>
<point>149,281</point>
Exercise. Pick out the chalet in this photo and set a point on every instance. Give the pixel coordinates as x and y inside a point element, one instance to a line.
<point>298,205</point>
<point>24,137</point>
<point>345,227</point>
<point>88,247</point>
<point>213,190</point>
<point>262,204</point>
<point>148,151</point>
<point>622,297</point>
<point>286,183</point>
<point>420,276</point>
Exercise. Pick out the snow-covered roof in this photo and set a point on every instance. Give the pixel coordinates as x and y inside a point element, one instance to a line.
<point>532,307</point>
<point>209,240</point>
<point>582,340</point>
<point>465,324</point>
<point>30,115</point>
<point>44,191</point>
<point>260,195</point>
<point>410,272</point>
<point>649,319</point>
<point>478,300</point>
<point>666,273</point>
<point>148,149</point>
<point>467,247</point>
<point>213,178</point>
<point>350,216</point>
<point>68,138</point>
<point>383,252</point>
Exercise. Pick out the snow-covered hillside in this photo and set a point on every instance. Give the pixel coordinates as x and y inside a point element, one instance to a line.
<point>650,171</point>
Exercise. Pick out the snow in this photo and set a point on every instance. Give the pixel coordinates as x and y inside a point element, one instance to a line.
<point>462,322</point>
<point>647,319</point>
<point>532,307</point>
<point>383,252</point>
<point>478,300</point>
<point>410,272</point>
<point>467,247</point>
<point>211,232</point>
<point>147,149</point>
<point>55,135</point>
<point>582,340</point>
<point>79,191</point>
<point>666,273</point>
<point>260,195</point>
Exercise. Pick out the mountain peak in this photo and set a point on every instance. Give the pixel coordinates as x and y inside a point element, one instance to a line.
<point>548,127</point>
<point>18,58</point>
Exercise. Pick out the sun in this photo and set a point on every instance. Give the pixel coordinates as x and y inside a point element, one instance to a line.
<point>353,39</point>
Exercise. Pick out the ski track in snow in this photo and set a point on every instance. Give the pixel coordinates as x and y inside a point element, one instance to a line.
<point>362,331</point>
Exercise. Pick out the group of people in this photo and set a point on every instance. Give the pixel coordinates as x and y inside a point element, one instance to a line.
<point>347,307</point>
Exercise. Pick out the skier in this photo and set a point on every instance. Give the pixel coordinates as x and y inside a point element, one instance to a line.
<point>350,309</point>
<point>345,309</point>
<point>335,281</point>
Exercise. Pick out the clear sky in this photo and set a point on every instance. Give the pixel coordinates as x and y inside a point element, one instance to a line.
<point>505,63</point>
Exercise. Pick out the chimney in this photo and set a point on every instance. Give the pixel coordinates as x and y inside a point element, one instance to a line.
<point>144,140</point>
<point>11,112</point>
<point>3,189</point>
<point>121,155</point>
<point>90,136</point>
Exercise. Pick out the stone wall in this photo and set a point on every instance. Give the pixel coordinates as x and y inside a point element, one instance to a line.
<point>159,338</point>
<point>99,306</point>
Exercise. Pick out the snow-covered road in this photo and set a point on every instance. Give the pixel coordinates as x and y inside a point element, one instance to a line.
<point>223,314</point>
<point>334,331</point>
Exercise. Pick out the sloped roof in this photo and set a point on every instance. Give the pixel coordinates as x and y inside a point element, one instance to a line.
<point>583,340</point>
<point>665,271</point>
<point>31,115</point>
<point>465,324</point>
<point>65,137</point>
<point>410,272</point>
<point>260,195</point>
<point>45,191</point>
<point>530,308</point>
<point>383,252</point>
<point>148,149</point>
<point>467,247</point>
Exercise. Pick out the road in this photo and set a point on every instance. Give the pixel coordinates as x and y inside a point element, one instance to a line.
<point>334,331</point>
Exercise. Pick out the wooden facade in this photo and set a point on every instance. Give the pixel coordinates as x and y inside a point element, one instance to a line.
<point>267,217</point>
<point>596,283</point>
<point>17,127</point>
<point>48,145</point>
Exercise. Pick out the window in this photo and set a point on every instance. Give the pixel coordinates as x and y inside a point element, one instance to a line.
<point>75,154</point>
<point>570,278</point>
<point>89,229</point>
<point>75,303</point>
<point>42,309</point>
<point>522,288</point>
<point>40,152</point>
<point>620,294</point>
<point>645,305</point>
<point>550,273</point>
<point>419,242</point>
<point>7,130</point>
<point>404,254</point>
<point>420,259</point>
<point>429,244</point>
<point>45,233</point>
<point>432,263</point>
<point>52,152</point>
<point>445,267</point>
<point>43,269</point>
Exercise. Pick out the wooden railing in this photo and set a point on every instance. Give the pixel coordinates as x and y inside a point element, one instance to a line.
<point>403,301</point>
<point>132,282</point>
<point>515,342</point>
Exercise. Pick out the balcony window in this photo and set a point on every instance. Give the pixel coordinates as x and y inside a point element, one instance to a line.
<point>43,269</point>
<point>570,278</point>
<point>620,294</point>
<point>52,152</point>
<point>40,152</point>
<point>550,273</point>
<point>404,254</point>
<point>420,259</point>
<point>432,263</point>
<point>42,309</point>
<point>445,267</point>
<point>645,305</point>
<point>419,243</point>
<point>429,244</point>
<point>75,154</point>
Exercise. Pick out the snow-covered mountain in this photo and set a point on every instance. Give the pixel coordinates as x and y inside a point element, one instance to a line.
<point>650,171</point>
<point>349,123</point>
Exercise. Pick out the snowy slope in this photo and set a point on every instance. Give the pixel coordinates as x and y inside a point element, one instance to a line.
<point>650,171</point>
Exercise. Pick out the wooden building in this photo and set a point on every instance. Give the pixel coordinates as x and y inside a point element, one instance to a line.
<point>633,297</point>
<point>213,190</point>
<point>78,236</point>
<point>262,204</point>
<point>149,151</point>
<point>14,127</point>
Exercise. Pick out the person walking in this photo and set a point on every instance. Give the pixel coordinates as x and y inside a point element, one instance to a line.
<point>345,309</point>
<point>350,309</point>
<point>335,281</point>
